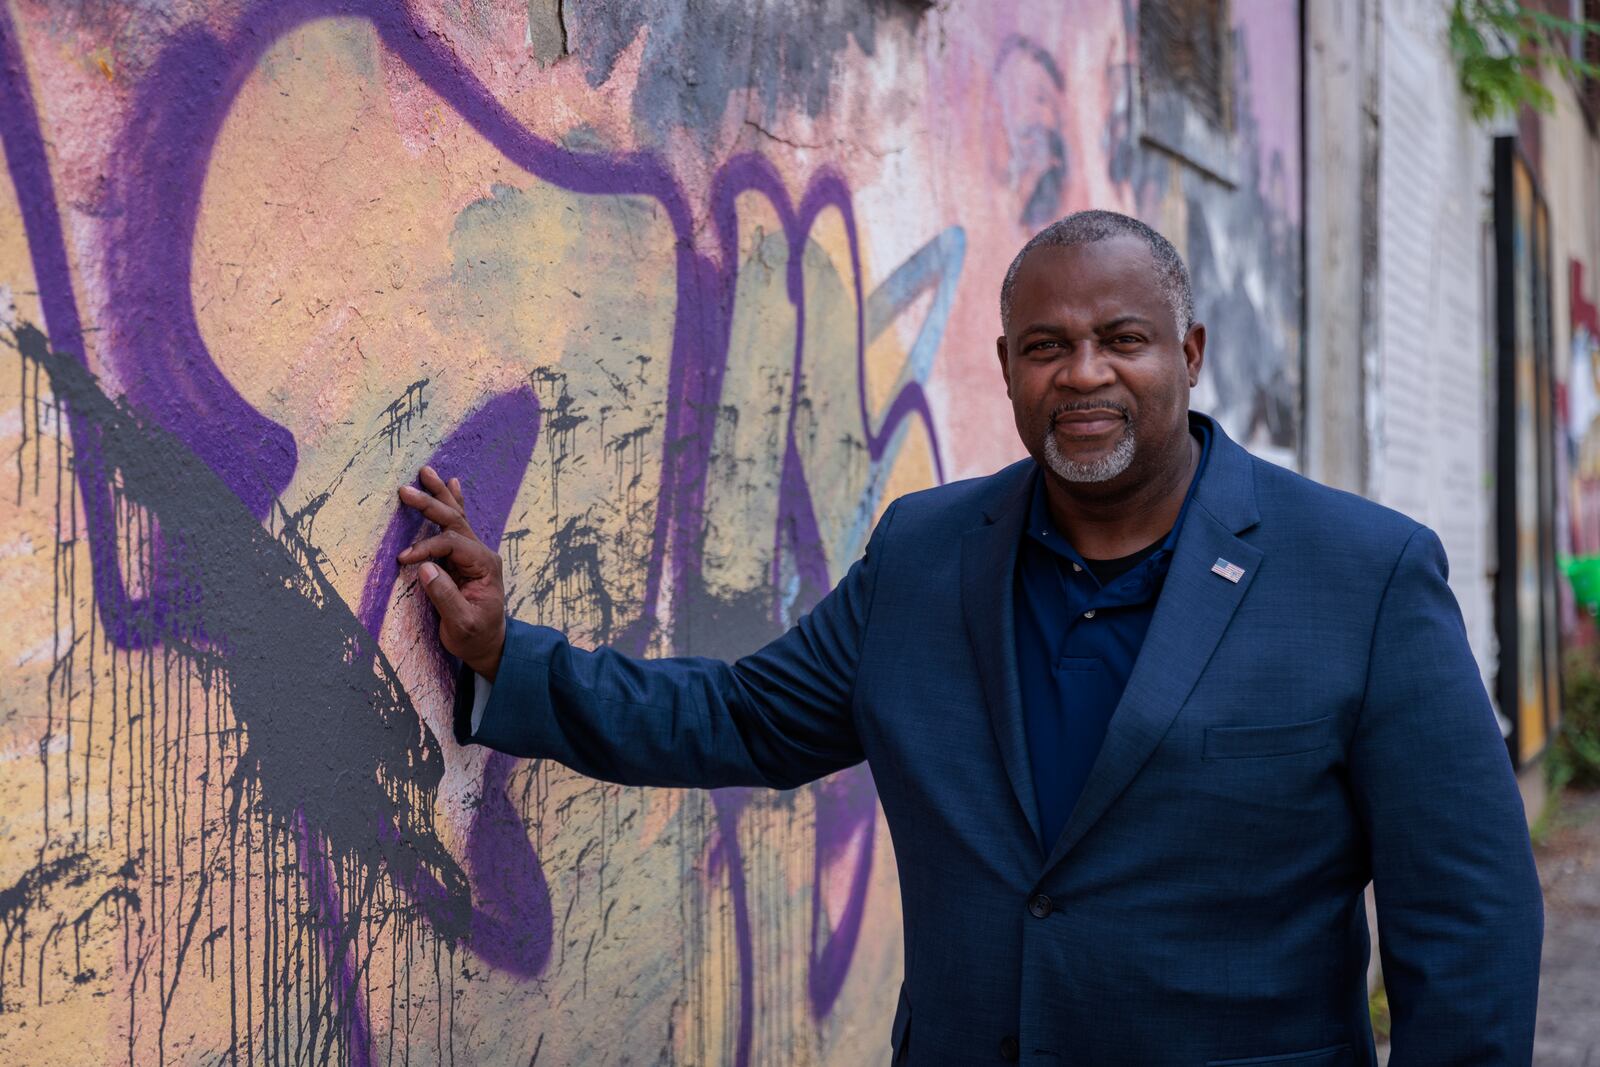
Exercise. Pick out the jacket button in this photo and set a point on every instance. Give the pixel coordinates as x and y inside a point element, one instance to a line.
<point>1009,1049</point>
<point>1040,906</point>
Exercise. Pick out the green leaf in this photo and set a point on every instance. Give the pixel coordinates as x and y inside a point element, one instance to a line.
<point>1505,79</point>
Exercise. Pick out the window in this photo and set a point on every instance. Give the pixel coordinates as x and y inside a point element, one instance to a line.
<point>1186,81</point>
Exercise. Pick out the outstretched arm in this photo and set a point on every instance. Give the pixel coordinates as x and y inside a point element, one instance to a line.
<point>1460,917</point>
<point>779,717</point>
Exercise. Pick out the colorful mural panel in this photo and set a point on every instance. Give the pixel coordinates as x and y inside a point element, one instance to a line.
<point>1527,596</point>
<point>1581,417</point>
<point>684,295</point>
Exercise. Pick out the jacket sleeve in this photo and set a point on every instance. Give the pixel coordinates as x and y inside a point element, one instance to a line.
<point>779,717</point>
<point>1460,916</point>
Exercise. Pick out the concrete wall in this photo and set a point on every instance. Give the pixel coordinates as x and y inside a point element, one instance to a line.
<point>1430,383</point>
<point>1399,392</point>
<point>685,294</point>
<point>1342,81</point>
<point>1400,388</point>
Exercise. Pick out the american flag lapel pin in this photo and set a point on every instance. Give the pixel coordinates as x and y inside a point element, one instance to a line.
<point>1231,571</point>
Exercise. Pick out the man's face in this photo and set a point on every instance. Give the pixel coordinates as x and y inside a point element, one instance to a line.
<point>1097,373</point>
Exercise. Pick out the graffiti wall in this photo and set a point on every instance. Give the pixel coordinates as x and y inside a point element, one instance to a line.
<point>684,294</point>
<point>1581,417</point>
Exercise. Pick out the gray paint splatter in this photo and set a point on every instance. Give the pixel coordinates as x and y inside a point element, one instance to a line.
<point>334,756</point>
<point>697,54</point>
<point>547,31</point>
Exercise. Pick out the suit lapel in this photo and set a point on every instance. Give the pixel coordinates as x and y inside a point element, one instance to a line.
<point>988,567</point>
<point>1195,607</point>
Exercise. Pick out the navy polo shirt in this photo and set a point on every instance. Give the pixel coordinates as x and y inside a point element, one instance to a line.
<point>1080,624</point>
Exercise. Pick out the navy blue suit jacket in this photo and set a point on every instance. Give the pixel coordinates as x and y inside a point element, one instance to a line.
<point>1282,740</point>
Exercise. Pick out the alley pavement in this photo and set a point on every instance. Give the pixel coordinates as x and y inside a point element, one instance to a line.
<point>1568,1033</point>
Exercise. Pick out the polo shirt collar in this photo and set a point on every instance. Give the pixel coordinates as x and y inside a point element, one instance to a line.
<point>1041,528</point>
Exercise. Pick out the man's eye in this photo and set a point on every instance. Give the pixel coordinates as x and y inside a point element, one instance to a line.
<point>1127,339</point>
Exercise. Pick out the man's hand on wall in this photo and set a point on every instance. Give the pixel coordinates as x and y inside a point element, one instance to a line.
<point>469,591</point>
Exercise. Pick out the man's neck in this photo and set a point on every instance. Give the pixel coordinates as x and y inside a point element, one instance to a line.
<point>1112,525</point>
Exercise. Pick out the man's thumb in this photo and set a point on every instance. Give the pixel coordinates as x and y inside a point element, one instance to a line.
<point>440,588</point>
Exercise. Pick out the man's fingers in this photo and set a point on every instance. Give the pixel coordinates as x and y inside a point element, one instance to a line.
<point>434,484</point>
<point>439,546</point>
<point>449,492</point>
<point>468,557</point>
<point>443,592</point>
<point>434,509</point>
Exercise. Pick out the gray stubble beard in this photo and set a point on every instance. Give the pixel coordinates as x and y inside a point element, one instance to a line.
<point>1103,469</point>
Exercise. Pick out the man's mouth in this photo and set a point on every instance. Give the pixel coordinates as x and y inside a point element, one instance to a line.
<point>1087,424</point>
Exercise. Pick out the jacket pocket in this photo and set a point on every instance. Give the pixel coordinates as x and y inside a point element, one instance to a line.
<point>1320,1057</point>
<point>900,1032</point>
<point>1288,739</point>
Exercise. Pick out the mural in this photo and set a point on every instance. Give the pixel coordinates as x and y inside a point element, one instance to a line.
<point>684,295</point>
<point>1581,416</point>
<point>1527,595</point>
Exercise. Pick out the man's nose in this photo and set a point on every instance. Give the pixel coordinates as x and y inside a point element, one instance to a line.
<point>1084,368</point>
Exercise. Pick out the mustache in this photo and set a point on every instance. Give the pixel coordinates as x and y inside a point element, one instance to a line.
<point>1089,405</point>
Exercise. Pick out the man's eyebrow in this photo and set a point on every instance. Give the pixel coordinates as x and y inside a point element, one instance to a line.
<point>1104,327</point>
<point>1124,320</point>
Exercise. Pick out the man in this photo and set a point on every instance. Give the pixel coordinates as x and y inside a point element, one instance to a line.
<point>1145,715</point>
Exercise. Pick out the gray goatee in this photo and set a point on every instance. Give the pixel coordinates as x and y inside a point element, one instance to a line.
<point>1103,469</point>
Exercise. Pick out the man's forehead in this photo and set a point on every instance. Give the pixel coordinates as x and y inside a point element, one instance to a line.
<point>1116,252</point>
<point>1119,266</point>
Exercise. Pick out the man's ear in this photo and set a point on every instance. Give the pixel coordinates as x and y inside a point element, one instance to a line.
<point>1194,351</point>
<point>1005,367</point>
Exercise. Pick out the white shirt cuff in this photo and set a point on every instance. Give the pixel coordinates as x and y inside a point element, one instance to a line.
<point>481,687</point>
